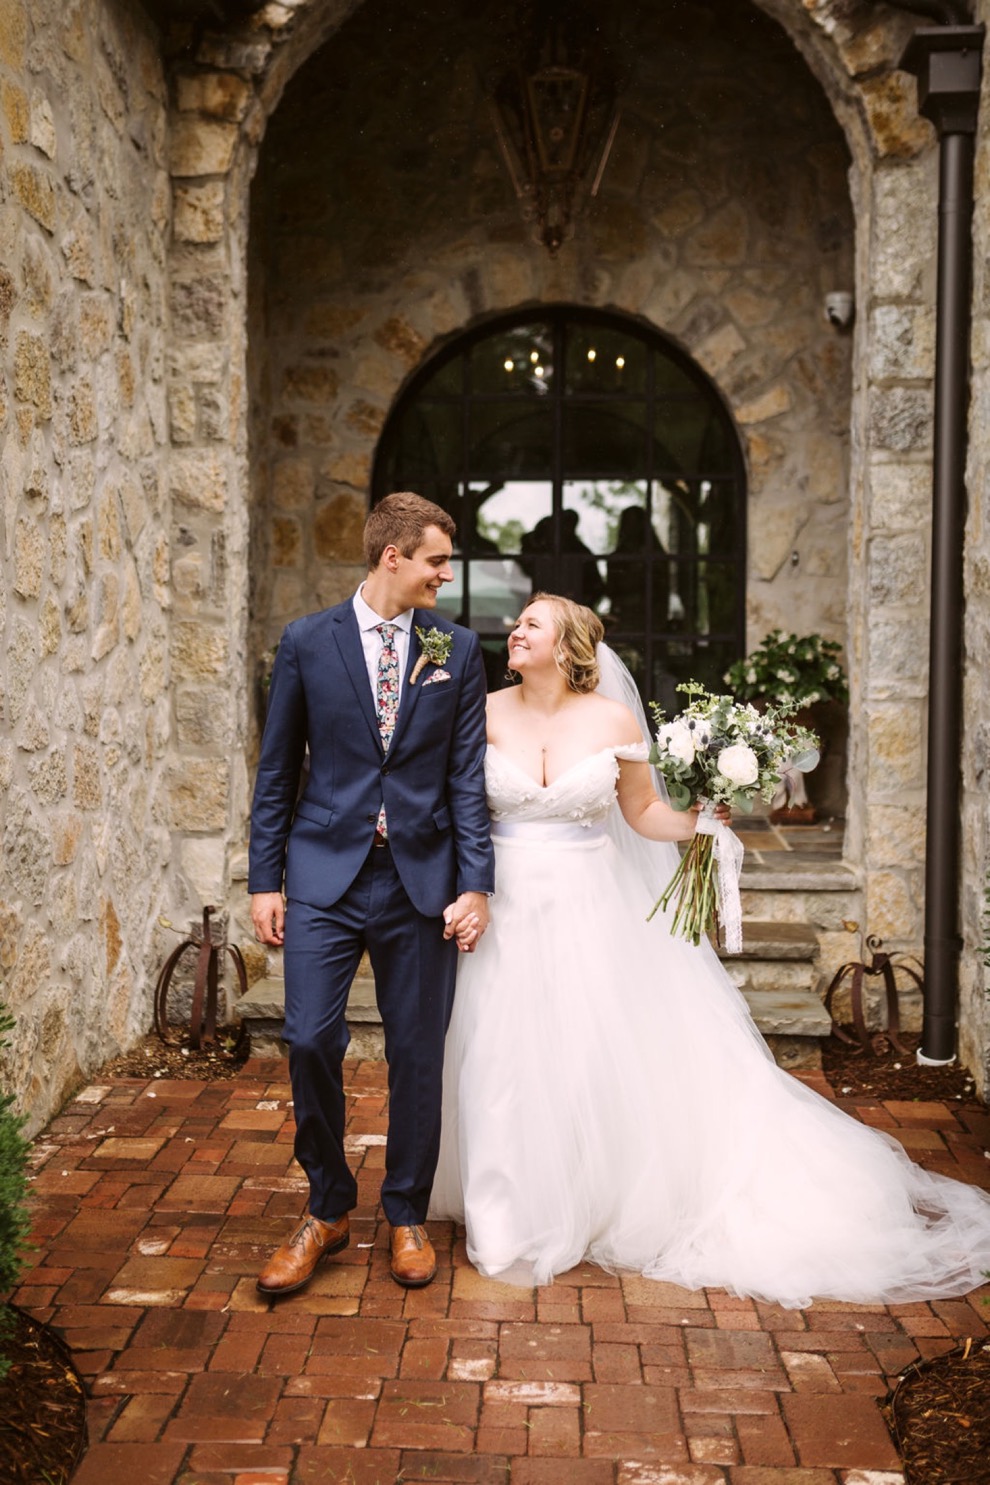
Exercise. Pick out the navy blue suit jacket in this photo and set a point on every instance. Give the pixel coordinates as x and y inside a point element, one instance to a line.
<point>432,779</point>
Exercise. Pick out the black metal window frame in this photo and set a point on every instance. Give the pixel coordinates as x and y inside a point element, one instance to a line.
<point>559,320</point>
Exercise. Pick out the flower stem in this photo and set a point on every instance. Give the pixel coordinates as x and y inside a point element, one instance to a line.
<point>692,889</point>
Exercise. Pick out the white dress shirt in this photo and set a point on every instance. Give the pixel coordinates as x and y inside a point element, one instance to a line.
<point>373,644</point>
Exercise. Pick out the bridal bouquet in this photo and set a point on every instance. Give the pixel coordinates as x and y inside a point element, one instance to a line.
<point>721,751</point>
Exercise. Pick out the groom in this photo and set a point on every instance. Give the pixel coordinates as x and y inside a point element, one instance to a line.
<point>387,849</point>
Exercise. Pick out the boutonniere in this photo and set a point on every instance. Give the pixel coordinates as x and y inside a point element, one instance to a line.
<point>434,649</point>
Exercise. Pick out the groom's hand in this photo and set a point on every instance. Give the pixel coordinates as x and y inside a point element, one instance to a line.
<point>268,917</point>
<point>466,920</point>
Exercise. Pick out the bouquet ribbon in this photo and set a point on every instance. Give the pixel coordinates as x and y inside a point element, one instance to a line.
<point>729,851</point>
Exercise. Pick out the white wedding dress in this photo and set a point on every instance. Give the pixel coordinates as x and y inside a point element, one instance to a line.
<point>607,1096</point>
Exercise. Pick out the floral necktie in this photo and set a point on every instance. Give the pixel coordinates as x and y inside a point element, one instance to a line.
<point>387,698</point>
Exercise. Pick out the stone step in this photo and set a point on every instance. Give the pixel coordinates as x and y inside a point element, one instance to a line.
<point>775,972</point>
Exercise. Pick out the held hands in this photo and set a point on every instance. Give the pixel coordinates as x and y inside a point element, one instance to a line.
<point>268,917</point>
<point>466,920</point>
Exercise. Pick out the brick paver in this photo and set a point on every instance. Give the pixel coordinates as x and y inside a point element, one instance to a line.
<point>155,1204</point>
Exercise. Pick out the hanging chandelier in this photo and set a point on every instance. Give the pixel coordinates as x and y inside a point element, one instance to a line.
<point>555,116</point>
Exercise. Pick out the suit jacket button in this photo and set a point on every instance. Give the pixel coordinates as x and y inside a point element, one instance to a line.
<point>385,770</point>
<point>371,819</point>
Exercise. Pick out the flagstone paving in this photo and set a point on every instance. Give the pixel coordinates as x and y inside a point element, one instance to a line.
<point>156,1202</point>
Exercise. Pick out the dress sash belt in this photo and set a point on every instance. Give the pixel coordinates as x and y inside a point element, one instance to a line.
<point>549,832</point>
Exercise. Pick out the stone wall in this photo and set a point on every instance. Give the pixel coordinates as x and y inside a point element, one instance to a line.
<point>84,573</point>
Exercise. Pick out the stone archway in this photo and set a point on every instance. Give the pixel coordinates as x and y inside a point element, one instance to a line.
<point>229,103</point>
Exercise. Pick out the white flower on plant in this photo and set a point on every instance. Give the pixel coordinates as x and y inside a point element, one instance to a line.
<point>677,739</point>
<point>751,676</point>
<point>739,765</point>
<point>787,676</point>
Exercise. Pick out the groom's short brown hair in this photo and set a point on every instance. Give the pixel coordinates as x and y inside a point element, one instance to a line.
<point>400,520</point>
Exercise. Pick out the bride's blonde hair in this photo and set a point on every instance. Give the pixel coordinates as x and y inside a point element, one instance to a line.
<point>578,633</point>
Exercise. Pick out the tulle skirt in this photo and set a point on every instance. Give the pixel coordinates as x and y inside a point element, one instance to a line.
<point>608,1097</point>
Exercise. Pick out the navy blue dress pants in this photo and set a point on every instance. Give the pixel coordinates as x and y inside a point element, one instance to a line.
<point>414,969</point>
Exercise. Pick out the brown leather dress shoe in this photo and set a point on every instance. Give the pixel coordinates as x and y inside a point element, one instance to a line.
<point>414,1263</point>
<point>293,1264</point>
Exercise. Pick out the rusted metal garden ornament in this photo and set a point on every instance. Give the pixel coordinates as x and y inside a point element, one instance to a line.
<point>884,965</point>
<point>203,1013</point>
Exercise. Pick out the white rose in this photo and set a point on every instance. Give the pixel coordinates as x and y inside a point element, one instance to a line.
<point>739,765</point>
<point>676,738</point>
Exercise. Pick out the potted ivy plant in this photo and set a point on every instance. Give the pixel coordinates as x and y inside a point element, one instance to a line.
<point>806,671</point>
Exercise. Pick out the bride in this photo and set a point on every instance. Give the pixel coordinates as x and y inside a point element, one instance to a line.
<point>606,1094</point>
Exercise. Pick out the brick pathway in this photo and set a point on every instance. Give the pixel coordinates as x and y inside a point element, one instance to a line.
<point>156,1202</point>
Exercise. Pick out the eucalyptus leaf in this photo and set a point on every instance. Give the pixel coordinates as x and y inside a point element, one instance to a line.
<point>742,802</point>
<point>806,761</point>
<point>680,795</point>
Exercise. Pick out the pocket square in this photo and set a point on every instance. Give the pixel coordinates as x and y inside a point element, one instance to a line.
<point>438,675</point>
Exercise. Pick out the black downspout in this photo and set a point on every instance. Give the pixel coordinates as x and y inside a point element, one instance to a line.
<point>947,63</point>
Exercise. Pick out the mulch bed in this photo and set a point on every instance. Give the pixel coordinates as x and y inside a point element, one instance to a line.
<point>153,1058</point>
<point>42,1406</point>
<point>885,1073</point>
<point>939,1417</point>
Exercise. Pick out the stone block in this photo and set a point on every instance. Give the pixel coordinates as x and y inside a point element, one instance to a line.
<point>893,904</point>
<point>29,558</point>
<point>182,412</point>
<point>201,716</point>
<point>16,110</point>
<point>203,868</point>
<point>900,419</point>
<point>198,790</point>
<point>87,789</point>
<point>771,404</point>
<point>13,33</point>
<point>285,541</point>
<point>310,384</point>
<point>199,306</point>
<point>897,649</point>
<point>79,251</point>
<point>352,469</point>
<point>47,777</point>
<point>894,746</point>
<point>199,212</point>
<point>198,479</point>
<point>898,568</point>
<point>83,423</point>
<point>32,373</point>
<point>717,350</point>
<point>902,343</point>
<point>338,528</point>
<point>199,651</point>
<point>401,340</point>
<point>331,321</point>
<point>42,126</point>
<point>891,103</point>
<point>293,484</point>
<point>201,147</point>
<point>35,191</point>
<point>904,237</point>
<point>900,496</point>
<point>219,95</point>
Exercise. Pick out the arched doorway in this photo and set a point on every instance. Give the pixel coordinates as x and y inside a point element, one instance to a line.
<point>581,452</point>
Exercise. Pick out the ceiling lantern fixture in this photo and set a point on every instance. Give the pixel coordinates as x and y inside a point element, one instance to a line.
<point>555,116</point>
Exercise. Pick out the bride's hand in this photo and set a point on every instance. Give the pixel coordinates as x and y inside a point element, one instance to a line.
<point>722,812</point>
